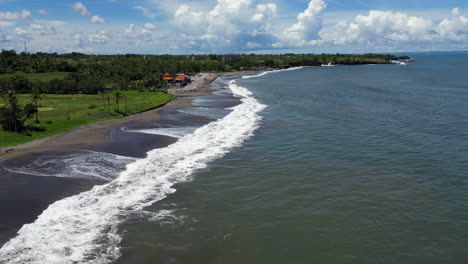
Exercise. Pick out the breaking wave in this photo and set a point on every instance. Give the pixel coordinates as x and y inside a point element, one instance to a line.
<point>175,132</point>
<point>71,164</point>
<point>268,72</point>
<point>84,228</point>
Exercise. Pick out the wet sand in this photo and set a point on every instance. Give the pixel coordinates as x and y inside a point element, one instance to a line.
<point>96,133</point>
<point>23,197</point>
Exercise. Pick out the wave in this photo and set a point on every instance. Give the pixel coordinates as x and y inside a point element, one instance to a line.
<point>84,228</point>
<point>175,132</point>
<point>214,113</point>
<point>71,164</point>
<point>268,72</point>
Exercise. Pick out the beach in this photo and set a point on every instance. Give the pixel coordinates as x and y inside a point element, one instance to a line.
<point>96,133</point>
<point>23,197</point>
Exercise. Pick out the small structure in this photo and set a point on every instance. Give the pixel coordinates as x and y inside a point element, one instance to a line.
<point>168,77</point>
<point>182,80</point>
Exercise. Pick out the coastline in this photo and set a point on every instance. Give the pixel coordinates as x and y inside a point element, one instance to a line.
<point>96,133</point>
<point>23,197</point>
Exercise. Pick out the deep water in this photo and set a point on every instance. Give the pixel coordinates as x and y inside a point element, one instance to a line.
<point>351,164</point>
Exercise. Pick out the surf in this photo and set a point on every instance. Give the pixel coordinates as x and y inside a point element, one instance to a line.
<point>85,228</point>
<point>268,72</point>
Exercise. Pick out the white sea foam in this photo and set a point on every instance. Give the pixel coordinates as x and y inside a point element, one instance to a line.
<point>268,72</point>
<point>72,164</point>
<point>175,132</point>
<point>84,228</point>
<point>214,113</point>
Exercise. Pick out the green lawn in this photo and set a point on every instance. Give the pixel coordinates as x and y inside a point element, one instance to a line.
<point>58,113</point>
<point>45,77</point>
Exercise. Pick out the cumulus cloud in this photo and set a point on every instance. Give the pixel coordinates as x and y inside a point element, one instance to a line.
<point>42,12</point>
<point>227,24</point>
<point>80,8</point>
<point>97,19</point>
<point>309,23</point>
<point>455,29</point>
<point>380,27</point>
<point>24,14</point>
<point>130,29</point>
<point>41,29</point>
<point>146,12</point>
<point>99,38</point>
<point>150,26</point>
<point>7,23</point>
<point>387,28</point>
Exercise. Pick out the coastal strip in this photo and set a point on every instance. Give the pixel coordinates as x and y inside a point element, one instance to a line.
<point>96,133</point>
<point>93,217</point>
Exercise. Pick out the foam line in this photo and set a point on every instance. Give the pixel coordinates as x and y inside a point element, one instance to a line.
<point>268,72</point>
<point>84,228</point>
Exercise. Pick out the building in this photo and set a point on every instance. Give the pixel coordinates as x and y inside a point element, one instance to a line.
<point>168,77</point>
<point>182,80</point>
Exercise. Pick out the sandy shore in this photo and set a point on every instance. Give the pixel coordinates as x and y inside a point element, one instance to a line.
<point>96,133</point>
<point>198,86</point>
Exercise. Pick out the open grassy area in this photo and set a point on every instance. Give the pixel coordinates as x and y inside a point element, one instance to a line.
<point>58,113</point>
<point>45,77</point>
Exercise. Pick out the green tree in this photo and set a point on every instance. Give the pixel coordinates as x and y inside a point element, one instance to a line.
<point>13,115</point>
<point>118,96</point>
<point>20,84</point>
<point>35,97</point>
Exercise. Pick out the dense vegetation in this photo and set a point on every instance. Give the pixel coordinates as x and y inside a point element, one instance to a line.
<point>58,113</point>
<point>65,90</point>
<point>90,74</point>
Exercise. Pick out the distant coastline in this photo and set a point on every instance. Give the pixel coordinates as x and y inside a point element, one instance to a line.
<point>100,78</point>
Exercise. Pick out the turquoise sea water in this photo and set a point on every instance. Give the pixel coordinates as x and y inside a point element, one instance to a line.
<point>350,164</point>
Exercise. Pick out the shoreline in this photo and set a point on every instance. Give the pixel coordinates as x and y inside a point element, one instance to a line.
<point>96,133</point>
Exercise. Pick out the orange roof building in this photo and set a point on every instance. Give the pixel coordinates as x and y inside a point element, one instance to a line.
<point>168,77</point>
<point>180,78</point>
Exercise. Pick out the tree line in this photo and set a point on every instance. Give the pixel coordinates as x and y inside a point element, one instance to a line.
<point>92,74</point>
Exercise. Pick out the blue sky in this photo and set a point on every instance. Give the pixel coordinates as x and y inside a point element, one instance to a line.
<point>228,26</point>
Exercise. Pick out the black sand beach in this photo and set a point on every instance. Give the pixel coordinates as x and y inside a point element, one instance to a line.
<point>23,197</point>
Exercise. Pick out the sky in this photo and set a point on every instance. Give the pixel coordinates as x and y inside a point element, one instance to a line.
<point>233,26</point>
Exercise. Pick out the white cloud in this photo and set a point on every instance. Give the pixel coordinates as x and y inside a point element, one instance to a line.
<point>42,11</point>
<point>455,29</point>
<point>24,14</point>
<point>146,12</point>
<point>309,24</point>
<point>100,38</point>
<point>379,28</point>
<point>41,29</point>
<point>130,29</point>
<point>79,7</point>
<point>150,26</point>
<point>227,24</point>
<point>239,26</point>
<point>7,23</point>
<point>252,45</point>
<point>97,19</point>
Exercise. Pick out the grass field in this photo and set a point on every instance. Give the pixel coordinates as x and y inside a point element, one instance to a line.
<point>58,113</point>
<point>45,77</point>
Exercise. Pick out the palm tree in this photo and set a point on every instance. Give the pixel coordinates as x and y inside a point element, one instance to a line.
<point>118,96</point>
<point>36,95</point>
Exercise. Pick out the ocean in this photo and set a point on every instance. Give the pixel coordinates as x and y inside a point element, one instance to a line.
<point>345,164</point>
